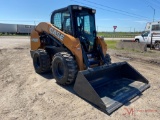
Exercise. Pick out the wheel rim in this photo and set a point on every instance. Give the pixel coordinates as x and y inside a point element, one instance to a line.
<point>157,46</point>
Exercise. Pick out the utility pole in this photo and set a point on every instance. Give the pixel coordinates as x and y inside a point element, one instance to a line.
<point>153,12</point>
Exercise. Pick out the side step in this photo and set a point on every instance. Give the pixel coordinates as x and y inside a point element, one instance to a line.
<point>109,87</point>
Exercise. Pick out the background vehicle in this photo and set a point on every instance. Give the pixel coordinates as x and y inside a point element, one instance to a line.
<point>145,37</point>
<point>153,26</point>
<point>8,28</point>
<point>70,47</point>
<point>16,28</point>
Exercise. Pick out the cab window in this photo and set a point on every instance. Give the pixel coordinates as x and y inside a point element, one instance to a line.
<point>57,21</point>
<point>156,27</point>
<point>66,22</point>
<point>145,34</point>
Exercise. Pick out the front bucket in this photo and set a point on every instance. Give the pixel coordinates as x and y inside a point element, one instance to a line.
<point>109,87</point>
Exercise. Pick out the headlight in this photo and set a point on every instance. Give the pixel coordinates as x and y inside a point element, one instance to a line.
<point>77,7</point>
<point>80,8</point>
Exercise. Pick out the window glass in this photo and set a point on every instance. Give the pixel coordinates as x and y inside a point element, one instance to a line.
<point>87,24</point>
<point>66,20</point>
<point>57,20</point>
<point>156,27</point>
<point>145,33</point>
<point>27,26</point>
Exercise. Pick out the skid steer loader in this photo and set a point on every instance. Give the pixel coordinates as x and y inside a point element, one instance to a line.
<point>69,46</point>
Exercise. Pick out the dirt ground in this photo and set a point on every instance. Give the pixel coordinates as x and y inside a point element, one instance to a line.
<point>25,95</point>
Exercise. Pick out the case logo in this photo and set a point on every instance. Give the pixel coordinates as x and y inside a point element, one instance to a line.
<point>56,33</point>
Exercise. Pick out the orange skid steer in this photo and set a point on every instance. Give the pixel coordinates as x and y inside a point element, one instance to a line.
<point>69,46</point>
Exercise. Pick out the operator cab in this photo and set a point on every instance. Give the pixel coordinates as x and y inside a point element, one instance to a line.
<point>78,21</point>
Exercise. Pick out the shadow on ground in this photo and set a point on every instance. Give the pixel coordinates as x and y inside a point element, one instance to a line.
<point>47,76</point>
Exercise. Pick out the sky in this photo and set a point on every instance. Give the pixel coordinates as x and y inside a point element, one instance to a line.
<point>127,15</point>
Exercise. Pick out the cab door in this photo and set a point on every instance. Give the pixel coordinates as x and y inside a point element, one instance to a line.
<point>149,38</point>
<point>145,36</point>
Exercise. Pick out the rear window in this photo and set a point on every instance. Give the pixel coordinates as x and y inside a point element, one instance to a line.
<point>156,27</point>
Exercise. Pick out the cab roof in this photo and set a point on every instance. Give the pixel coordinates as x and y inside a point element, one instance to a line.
<point>72,7</point>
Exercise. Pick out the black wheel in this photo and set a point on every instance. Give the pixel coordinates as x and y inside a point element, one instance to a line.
<point>108,58</point>
<point>41,61</point>
<point>157,45</point>
<point>64,68</point>
<point>137,40</point>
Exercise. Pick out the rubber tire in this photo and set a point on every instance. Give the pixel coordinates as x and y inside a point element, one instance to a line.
<point>157,45</point>
<point>108,58</point>
<point>41,62</point>
<point>69,67</point>
<point>137,40</point>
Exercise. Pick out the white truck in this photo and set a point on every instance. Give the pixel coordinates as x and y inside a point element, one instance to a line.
<point>152,32</point>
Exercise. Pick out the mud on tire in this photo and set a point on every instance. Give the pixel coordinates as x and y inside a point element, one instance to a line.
<point>41,61</point>
<point>64,68</point>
